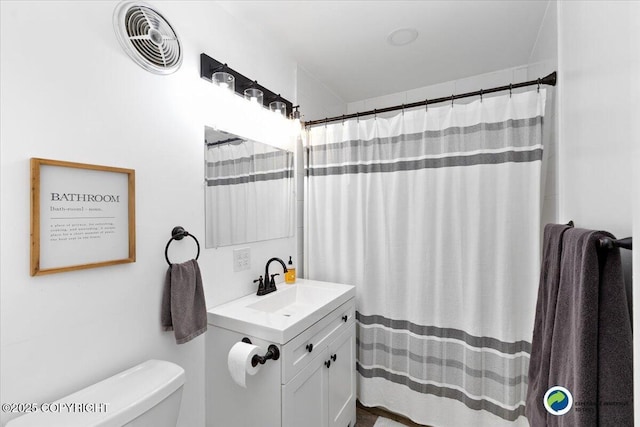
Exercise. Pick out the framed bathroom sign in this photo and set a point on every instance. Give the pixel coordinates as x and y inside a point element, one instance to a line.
<point>82,216</point>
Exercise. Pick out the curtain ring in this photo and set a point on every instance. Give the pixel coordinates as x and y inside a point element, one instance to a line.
<point>481,92</point>
<point>510,87</point>
<point>357,117</point>
<point>451,100</point>
<point>426,105</point>
<point>403,109</point>
<point>326,120</point>
<point>538,84</point>
<point>375,114</point>
<point>343,120</point>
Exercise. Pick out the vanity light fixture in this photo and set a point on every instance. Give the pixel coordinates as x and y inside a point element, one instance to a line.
<point>278,106</point>
<point>254,94</point>
<point>296,113</point>
<point>224,79</point>
<point>211,70</point>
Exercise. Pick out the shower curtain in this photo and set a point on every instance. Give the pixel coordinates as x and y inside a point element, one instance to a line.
<point>434,216</point>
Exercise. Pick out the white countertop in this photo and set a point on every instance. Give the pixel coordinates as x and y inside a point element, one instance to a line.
<point>281,315</point>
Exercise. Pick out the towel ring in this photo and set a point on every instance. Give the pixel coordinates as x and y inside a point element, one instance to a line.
<point>179,233</point>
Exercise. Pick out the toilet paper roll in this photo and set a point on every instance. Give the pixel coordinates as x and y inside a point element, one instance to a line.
<point>239,362</point>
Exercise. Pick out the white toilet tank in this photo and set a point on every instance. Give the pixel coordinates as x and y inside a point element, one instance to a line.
<point>147,395</point>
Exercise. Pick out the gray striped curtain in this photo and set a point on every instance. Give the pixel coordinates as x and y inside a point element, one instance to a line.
<point>434,216</point>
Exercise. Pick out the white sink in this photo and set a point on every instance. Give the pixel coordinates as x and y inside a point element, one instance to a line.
<point>293,300</point>
<point>281,315</point>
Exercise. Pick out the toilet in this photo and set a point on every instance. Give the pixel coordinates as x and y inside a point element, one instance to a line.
<point>147,395</point>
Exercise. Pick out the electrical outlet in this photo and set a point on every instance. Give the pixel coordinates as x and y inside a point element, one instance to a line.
<point>241,259</point>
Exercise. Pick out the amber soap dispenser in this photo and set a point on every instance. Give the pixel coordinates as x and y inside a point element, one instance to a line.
<point>290,275</point>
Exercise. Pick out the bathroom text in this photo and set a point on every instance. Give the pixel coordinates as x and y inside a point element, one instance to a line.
<point>78,197</point>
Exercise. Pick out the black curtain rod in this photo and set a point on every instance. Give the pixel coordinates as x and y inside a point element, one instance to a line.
<point>548,80</point>
<point>224,141</point>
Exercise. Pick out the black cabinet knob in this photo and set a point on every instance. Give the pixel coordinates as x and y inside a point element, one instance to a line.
<point>334,357</point>
<point>309,347</point>
<point>327,363</point>
<point>344,318</point>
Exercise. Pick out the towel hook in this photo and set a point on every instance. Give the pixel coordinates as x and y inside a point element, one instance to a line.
<point>179,233</point>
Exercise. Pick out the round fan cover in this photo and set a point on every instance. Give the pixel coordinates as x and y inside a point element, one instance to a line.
<point>147,37</point>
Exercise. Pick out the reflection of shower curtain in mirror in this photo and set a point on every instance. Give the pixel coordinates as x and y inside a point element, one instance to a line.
<point>249,193</point>
<point>434,216</point>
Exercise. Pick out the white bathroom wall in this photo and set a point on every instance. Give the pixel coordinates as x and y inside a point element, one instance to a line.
<point>596,42</point>
<point>317,101</point>
<point>595,116</point>
<point>598,53</point>
<point>542,61</point>
<point>69,92</point>
<point>544,55</point>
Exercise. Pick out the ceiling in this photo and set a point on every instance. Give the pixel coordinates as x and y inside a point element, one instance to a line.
<point>343,43</point>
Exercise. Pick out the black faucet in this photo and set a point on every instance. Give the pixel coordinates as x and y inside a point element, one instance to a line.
<point>270,284</point>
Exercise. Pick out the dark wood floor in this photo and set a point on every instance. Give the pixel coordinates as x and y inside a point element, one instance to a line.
<point>366,417</point>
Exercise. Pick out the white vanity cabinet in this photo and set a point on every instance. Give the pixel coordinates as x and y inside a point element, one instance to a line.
<point>323,392</point>
<point>312,384</point>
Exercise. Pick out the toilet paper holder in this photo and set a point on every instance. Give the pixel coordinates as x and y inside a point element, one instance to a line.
<point>273,353</point>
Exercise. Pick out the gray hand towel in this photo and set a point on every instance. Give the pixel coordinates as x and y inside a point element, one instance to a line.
<point>184,310</point>
<point>590,341</point>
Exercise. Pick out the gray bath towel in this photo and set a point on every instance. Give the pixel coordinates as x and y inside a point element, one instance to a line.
<point>589,343</point>
<point>183,306</point>
<point>544,322</point>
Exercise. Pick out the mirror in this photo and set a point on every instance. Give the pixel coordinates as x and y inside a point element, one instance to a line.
<point>249,191</point>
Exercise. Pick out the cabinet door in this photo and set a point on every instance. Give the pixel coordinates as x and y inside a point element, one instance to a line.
<point>304,398</point>
<point>301,350</point>
<point>342,379</point>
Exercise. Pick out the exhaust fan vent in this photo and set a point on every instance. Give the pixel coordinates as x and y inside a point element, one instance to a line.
<point>147,37</point>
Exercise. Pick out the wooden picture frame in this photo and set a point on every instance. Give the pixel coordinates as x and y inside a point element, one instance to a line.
<point>82,216</point>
